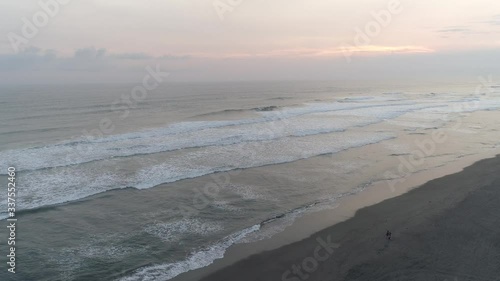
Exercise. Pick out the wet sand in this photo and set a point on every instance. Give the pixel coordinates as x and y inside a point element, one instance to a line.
<point>447,229</point>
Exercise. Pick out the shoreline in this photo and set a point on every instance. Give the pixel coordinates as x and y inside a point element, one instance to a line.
<point>311,225</point>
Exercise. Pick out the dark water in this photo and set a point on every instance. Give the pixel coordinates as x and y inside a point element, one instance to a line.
<point>191,169</point>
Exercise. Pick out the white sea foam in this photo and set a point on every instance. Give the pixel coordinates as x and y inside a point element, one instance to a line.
<point>220,159</point>
<point>173,231</point>
<point>276,225</point>
<point>64,184</point>
<point>247,192</point>
<point>192,149</point>
<point>205,257</point>
<point>226,206</point>
<point>195,260</point>
<point>71,259</point>
<point>272,125</point>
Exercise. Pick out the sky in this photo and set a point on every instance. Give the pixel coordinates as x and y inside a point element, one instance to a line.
<point>86,41</point>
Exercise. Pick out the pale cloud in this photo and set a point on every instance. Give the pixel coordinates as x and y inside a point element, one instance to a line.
<point>454,29</point>
<point>259,38</point>
<point>88,58</point>
<point>133,56</point>
<point>495,20</point>
<point>90,53</point>
<point>323,53</point>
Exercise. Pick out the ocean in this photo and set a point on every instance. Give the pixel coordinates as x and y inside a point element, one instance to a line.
<point>112,188</point>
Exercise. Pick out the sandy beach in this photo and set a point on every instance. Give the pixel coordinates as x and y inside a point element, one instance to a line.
<point>447,229</point>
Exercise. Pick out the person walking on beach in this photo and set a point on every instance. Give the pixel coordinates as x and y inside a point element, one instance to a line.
<point>388,235</point>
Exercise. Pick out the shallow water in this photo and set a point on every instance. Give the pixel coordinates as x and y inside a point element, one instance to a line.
<point>195,168</point>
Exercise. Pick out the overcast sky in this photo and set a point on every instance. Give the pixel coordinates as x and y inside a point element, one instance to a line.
<point>207,40</point>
